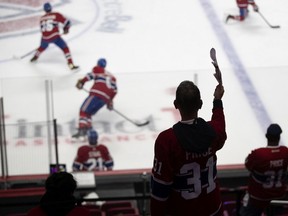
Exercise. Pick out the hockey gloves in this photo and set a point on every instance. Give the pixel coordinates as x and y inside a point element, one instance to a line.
<point>255,8</point>
<point>110,105</point>
<point>79,84</point>
<point>66,30</point>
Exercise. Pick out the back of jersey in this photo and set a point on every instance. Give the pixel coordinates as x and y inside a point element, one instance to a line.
<point>49,24</point>
<point>268,168</point>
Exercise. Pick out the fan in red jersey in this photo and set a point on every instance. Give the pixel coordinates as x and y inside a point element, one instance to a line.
<point>243,9</point>
<point>268,170</point>
<point>93,157</point>
<point>50,23</point>
<point>184,180</point>
<point>101,93</point>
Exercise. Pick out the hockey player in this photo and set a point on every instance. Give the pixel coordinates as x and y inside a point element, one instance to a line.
<point>102,92</point>
<point>184,180</point>
<point>267,167</point>
<point>49,24</point>
<point>93,157</point>
<point>243,9</point>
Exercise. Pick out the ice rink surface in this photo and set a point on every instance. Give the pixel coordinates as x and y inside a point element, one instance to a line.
<point>151,46</point>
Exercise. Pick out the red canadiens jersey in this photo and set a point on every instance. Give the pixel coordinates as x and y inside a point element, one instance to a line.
<point>244,3</point>
<point>184,183</point>
<point>93,158</point>
<point>104,85</point>
<point>267,168</point>
<point>50,25</point>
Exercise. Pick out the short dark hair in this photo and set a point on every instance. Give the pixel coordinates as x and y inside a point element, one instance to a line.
<point>61,182</point>
<point>273,132</point>
<point>188,96</point>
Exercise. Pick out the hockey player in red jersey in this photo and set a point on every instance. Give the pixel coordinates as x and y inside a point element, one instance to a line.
<point>93,157</point>
<point>268,170</point>
<point>49,24</point>
<point>183,181</point>
<point>101,93</point>
<point>243,9</point>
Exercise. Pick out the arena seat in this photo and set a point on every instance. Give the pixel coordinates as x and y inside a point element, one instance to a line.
<point>96,212</point>
<point>230,208</point>
<point>121,211</point>
<point>113,204</point>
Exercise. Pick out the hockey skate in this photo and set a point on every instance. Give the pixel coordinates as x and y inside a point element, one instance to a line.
<point>34,59</point>
<point>73,67</point>
<point>82,132</point>
<point>229,17</point>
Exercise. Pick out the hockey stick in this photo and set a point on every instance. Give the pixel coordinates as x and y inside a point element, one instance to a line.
<point>28,53</point>
<point>217,74</point>
<point>24,55</point>
<point>138,124</point>
<point>271,26</point>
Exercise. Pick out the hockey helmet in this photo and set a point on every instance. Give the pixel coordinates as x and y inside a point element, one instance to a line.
<point>102,62</point>
<point>92,136</point>
<point>47,7</point>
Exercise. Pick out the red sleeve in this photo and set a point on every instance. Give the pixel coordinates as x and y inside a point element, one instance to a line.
<point>104,152</point>
<point>61,19</point>
<point>82,154</point>
<point>163,156</point>
<point>219,125</point>
<point>249,161</point>
<point>95,71</point>
<point>162,171</point>
<point>257,160</point>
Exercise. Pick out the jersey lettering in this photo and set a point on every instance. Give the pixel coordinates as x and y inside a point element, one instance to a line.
<point>196,182</point>
<point>47,25</point>
<point>274,179</point>
<point>157,166</point>
<point>94,164</point>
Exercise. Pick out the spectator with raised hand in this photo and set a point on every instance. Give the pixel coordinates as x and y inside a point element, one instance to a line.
<point>184,180</point>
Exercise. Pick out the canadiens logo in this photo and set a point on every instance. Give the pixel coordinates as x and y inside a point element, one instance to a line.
<point>25,133</point>
<point>113,17</point>
<point>22,17</point>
